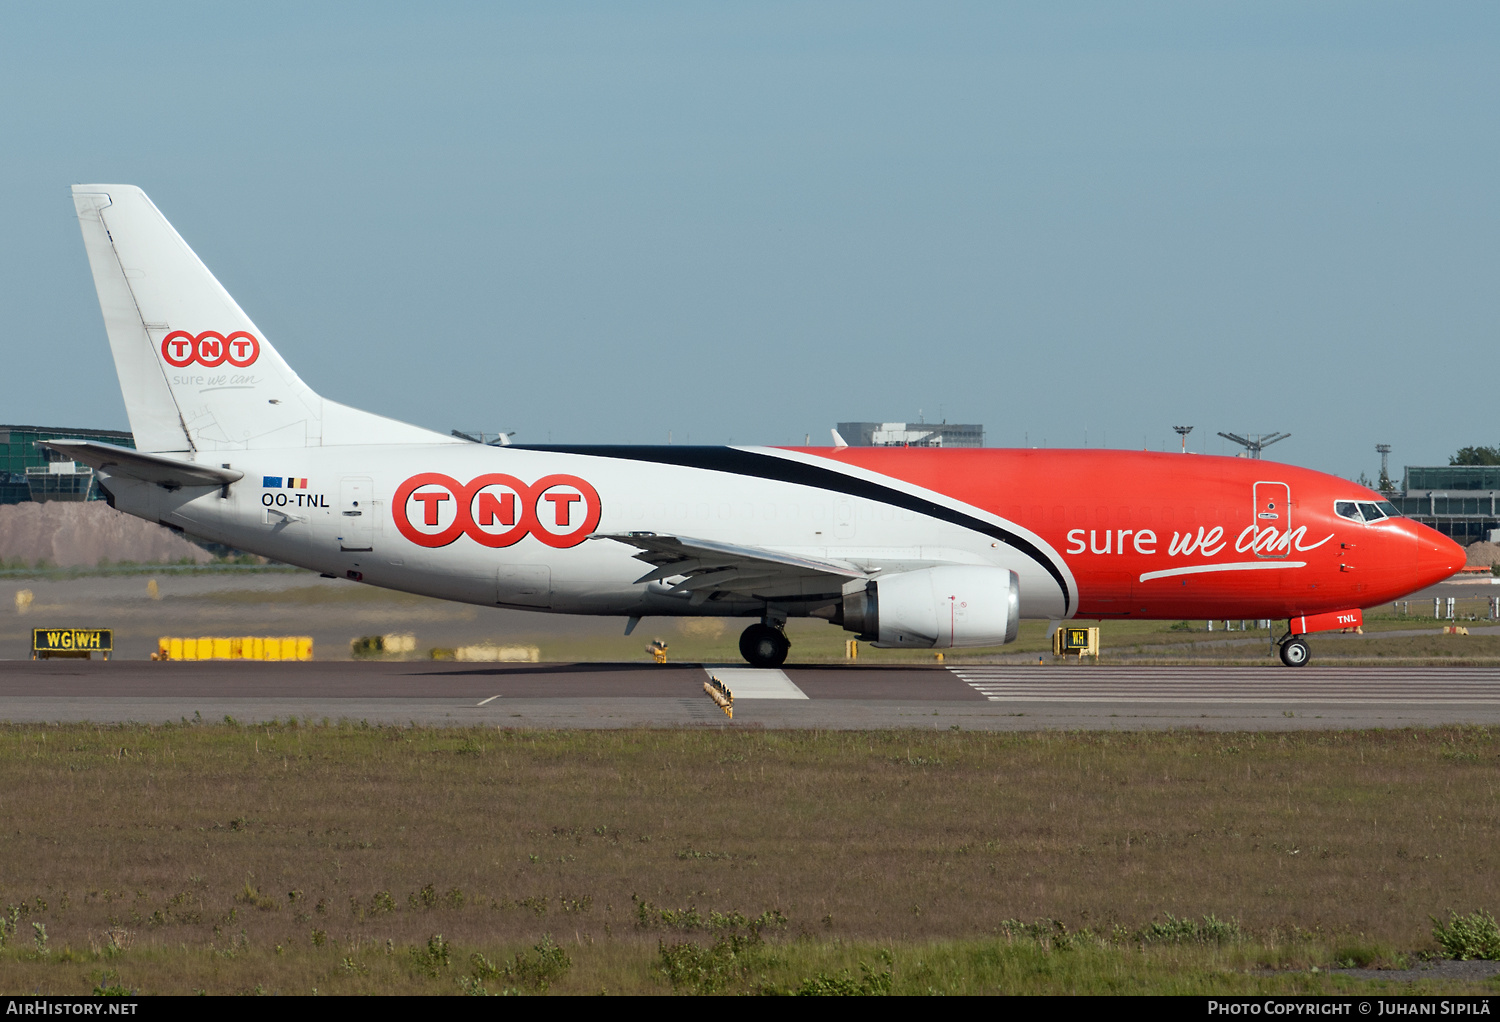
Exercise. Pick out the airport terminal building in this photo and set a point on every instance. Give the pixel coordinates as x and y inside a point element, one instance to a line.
<point>1460,501</point>
<point>912,434</point>
<point>27,472</point>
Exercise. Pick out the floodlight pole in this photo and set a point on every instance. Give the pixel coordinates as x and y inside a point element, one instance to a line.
<point>1183,431</point>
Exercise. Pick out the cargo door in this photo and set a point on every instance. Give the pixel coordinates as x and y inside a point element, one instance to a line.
<point>1273,509</point>
<point>355,524</point>
<point>843,518</point>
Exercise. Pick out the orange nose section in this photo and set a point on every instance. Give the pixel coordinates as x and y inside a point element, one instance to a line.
<point>1438,557</point>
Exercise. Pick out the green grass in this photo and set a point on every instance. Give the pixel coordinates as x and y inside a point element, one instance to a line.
<point>288,856</point>
<point>1081,963</point>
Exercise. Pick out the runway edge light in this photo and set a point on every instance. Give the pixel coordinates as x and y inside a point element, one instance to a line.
<point>720,694</point>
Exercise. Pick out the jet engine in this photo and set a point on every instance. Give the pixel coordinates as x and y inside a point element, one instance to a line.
<point>936,608</point>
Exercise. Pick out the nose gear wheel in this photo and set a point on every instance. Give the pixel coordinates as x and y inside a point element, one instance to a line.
<point>1294,652</point>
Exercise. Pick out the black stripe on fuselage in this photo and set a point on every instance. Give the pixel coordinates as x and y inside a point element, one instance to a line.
<point>766,466</point>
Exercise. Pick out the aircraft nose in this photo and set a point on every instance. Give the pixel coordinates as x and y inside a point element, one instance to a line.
<point>1438,557</point>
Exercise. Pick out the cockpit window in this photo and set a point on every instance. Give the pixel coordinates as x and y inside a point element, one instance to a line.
<point>1365,510</point>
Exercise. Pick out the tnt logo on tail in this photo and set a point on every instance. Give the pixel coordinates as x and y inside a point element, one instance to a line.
<point>209,349</point>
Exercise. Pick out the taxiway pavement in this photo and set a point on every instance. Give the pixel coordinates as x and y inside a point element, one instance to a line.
<point>606,695</point>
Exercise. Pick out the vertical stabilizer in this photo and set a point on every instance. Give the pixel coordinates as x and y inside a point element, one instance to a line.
<point>196,372</point>
<point>154,418</point>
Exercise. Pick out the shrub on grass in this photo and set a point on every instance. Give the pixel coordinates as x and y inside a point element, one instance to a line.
<point>648,915</point>
<point>1047,932</point>
<point>535,971</point>
<point>251,895</point>
<point>1474,936</point>
<point>1212,930</point>
<point>431,959</point>
<point>109,985</point>
<point>544,965</point>
<point>871,983</point>
<point>706,970</point>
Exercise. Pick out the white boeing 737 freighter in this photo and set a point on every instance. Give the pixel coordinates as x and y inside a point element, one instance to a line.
<point>917,548</point>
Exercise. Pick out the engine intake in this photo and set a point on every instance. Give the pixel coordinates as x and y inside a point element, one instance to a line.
<point>936,608</point>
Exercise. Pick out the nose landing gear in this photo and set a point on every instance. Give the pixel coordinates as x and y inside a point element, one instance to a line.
<point>1294,651</point>
<point>763,645</point>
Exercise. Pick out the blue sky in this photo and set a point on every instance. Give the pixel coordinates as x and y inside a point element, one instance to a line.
<point>746,222</point>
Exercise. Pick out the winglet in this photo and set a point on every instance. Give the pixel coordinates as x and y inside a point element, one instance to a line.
<point>838,440</point>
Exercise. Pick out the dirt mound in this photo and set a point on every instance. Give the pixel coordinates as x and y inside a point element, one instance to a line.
<point>1483,553</point>
<point>82,534</point>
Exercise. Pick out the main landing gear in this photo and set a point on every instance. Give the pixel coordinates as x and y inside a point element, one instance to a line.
<point>764,645</point>
<point>1294,651</point>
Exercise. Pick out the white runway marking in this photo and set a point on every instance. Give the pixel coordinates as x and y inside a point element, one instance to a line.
<point>491,699</point>
<point>755,683</point>
<point>1279,686</point>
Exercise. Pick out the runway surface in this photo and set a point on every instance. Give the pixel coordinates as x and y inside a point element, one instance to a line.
<point>1341,686</point>
<point>604,695</point>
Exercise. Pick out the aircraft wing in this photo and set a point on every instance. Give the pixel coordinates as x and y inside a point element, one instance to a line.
<point>709,567</point>
<point>152,468</point>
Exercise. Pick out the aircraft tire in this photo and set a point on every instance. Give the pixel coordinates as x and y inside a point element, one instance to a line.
<point>764,646</point>
<point>1294,653</point>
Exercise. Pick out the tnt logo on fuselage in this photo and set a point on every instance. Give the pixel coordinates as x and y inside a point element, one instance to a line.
<point>495,510</point>
<point>210,349</point>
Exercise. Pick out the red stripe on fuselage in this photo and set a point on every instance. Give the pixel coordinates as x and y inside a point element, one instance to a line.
<point>1181,536</point>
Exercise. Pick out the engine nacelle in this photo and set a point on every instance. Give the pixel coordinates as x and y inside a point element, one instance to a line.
<point>936,608</point>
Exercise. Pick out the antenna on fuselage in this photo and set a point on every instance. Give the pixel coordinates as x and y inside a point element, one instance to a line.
<point>1183,431</point>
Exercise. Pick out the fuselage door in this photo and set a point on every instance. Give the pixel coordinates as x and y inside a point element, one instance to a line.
<point>355,524</point>
<point>1273,518</point>
<point>843,518</point>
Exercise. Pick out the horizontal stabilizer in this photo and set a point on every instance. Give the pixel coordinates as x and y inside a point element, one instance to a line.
<point>151,468</point>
